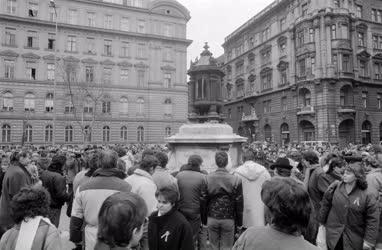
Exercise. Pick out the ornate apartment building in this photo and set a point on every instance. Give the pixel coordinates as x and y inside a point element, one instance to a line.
<point>307,70</point>
<point>119,67</point>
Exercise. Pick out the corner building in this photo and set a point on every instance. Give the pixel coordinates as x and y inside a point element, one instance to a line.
<point>307,71</point>
<point>131,52</point>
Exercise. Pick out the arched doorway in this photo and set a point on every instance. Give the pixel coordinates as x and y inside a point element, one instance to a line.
<point>268,133</point>
<point>346,132</point>
<point>284,132</point>
<point>307,131</point>
<point>366,132</point>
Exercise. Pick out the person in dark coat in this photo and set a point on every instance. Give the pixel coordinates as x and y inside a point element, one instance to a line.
<point>54,181</point>
<point>15,178</point>
<point>349,212</point>
<point>168,228</point>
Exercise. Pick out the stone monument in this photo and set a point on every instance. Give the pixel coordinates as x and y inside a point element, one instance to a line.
<point>206,132</point>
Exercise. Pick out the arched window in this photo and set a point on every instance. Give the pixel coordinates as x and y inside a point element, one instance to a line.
<point>48,133</point>
<point>106,134</point>
<point>168,131</point>
<point>49,102</point>
<point>124,133</point>
<point>29,102</point>
<point>168,107</point>
<point>68,133</point>
<point>28,133</point>
<point>124,105</point>
<point>140,134</point>
<point>6,133</point>
<point>7,101</point>
<point>87,134</point>
<point>140,105</point>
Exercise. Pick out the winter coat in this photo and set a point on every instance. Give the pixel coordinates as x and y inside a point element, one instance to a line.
<point>252,175</point>
<point>170,231</point>
<point>267,238</point>
<point>47,238</point>
<point>374,186</point>
<point>162,178</point>
<point>224,196</point>
<point>16,177</point>
<point>55,183</point>
<point>193,189</point>
<point>88,201</point>
<point>142,184</point>
<point>354,216</point>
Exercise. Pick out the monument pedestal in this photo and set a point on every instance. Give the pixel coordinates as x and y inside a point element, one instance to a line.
<point>204,139</point>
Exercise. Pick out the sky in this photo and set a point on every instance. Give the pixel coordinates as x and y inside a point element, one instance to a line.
<point>212,20</point>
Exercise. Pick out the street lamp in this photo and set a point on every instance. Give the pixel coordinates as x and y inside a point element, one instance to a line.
<point>53,5</point>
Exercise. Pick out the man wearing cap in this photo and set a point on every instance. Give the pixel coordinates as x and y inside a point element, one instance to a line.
<point>282,167</point>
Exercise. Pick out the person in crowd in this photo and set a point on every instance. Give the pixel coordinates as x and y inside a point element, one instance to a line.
<point>289,206</point>
<point>90,195</point>
<point>168,229</point>
<point>224,204</point>
<point>15,178</point>
<point>33,230</point>
<point>121,165</point>
<point>92,164</point>
<point>121,218</point>
<point>161,177</point>
<point>252,175</point>
<point>43,162</point>
<point>282,167</point>
<point>193,191</point>
<point>145,153</point>
<point>310,162</point>
<point>349,212</point>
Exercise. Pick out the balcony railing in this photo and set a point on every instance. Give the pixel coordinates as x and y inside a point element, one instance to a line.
<point>346,109</point>
<point>306,110</point>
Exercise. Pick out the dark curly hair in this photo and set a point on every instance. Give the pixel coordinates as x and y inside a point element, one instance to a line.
<point>359,173</point>
<point>162,158</point>
<point>119,215</point>
<point>221,159</point>
<point>336,162</point>
<point>30,202</point>
<point>288,203</point>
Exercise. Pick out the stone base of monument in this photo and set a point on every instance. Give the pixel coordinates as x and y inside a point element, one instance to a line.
<point>204,139</point>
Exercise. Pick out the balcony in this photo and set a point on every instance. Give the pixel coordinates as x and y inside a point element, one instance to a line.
<point>250,118</point>
<point>307,110</point>
<point>346,109</point>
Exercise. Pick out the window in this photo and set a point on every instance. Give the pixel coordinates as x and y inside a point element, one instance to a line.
<point>140,105</point>
<point>107,47</point>
<point>167,80</point>
<point>32,9</point>
<point>168,107</point>
<point>306,101</point>
<point>378,70</point>
<point>358,11</point>
<point>9,69</point>
<point>284,105</point>
<point>283,76</point>
<point>124,133</point>
<point>138,3</point>
<point>73,18</point>
<point>265,56</point>
<point>141,51</point>
<point>32,39</point>
<point>106,134</point>
<point>125,51</point>
<point>375,42</point>
<point>29,102</point>
<point>52,13</point>
<point>141,26</point>
<point>240,88</point>
<point>124,105</point>
<point>106,107</point>
<point>28,133</point>
<point>379,101</point>
<point>108,24</point>
<point>167,54</point>
<point>11,6</point>
<point>168,131</point>
<point>304,9</point>
<point>51,41</point>
<point>267,106</point>
<point>363,71</point>
<point>141,78</point>
<point>335,61</point>
<point>312,64</point>
<point>140,134</point>
<point>374,15</point>
<point>91,19</point>
<point>10,37</point>
<point>124,75</point>
<point>333,31</point>
<point>379,16</point>
<point>69,108</point>
<point>49,102</point>
<point>107,75</point>
<point>345,31</point>
<point>346,63</point>
<point>311,35</point>
<point>50,71</point>
<point>364,99</point>
<point>71,44</point>
<point>69,133</point>
<point>167,30</point>
<point>361,39</point>
<point>87,134</point>
<point>88,105</point>
<point>336,3</point>
<point>125,24</point>
<point>91,45</point>
<point>282,24</point>
<point>302,67</point>
<point>31,70</point>
<point>266,80</point>
<point>89,74</point>
<point>265,36</point>
<point>48,133</point>
<point>300,38</point>
<point>7,101</point>
<point>6,133</point>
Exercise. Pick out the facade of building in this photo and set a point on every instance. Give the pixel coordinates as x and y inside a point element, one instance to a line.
<point>119,66</point>
<point>307,71</point>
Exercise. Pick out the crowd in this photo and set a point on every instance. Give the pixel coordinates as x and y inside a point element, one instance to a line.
<point>124,197</point>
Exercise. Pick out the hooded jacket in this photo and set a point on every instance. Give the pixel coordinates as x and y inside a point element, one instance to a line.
<point>252,176</point>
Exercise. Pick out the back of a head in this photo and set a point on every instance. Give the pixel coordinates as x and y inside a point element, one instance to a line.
<point>288,203</point>
<point>119,215</point>
<point>248,155</point>
<point>162,158</point>
<point>120,151</point>
<point>221,159</point>
<point>195,161</point>
<point>311,157</point>
<point>148,163</point>
<point>108,159</point>
<point>147,152</point>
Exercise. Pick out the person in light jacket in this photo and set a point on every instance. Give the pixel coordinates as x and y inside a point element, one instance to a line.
<point>349,212</point>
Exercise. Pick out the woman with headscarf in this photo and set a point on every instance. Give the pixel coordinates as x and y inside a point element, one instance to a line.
<point>349,212</point>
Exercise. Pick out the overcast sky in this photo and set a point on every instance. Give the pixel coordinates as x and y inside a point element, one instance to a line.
<point>213,20</point>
